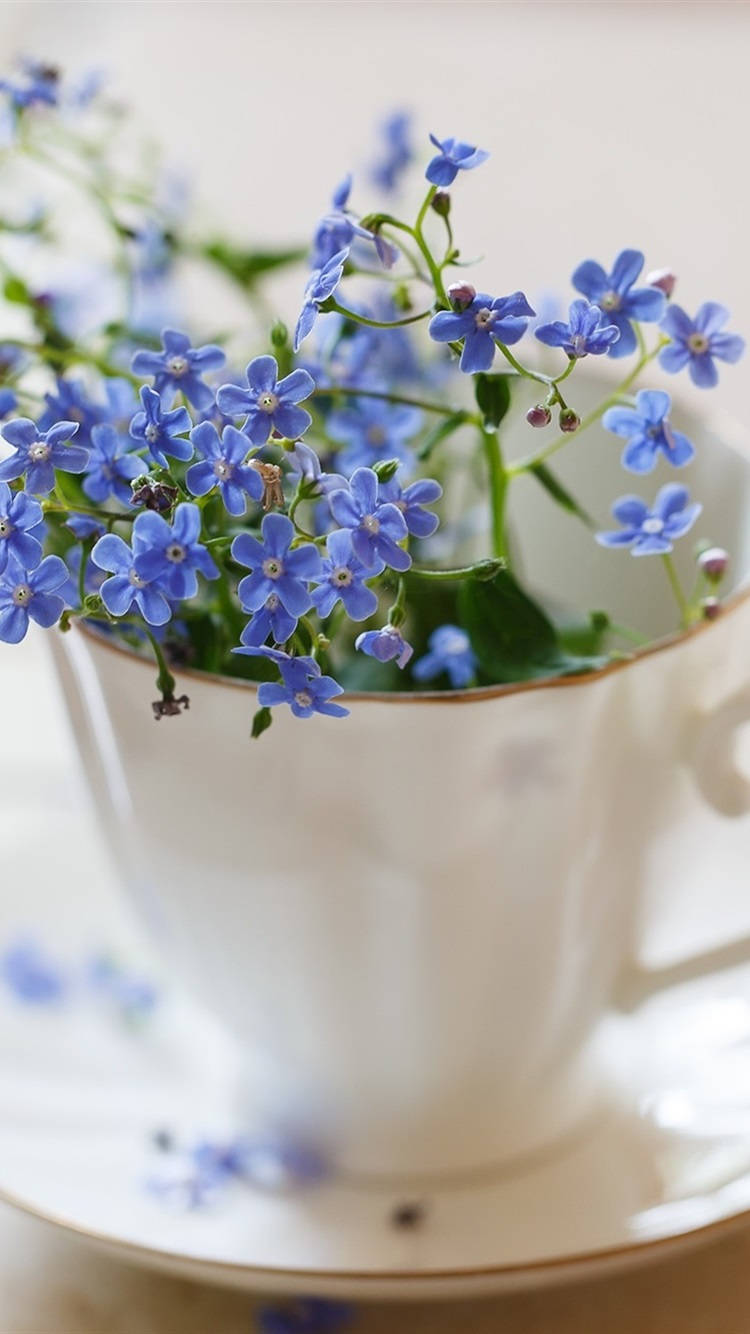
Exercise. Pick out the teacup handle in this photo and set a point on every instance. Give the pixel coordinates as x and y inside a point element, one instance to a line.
<point>709,754</point>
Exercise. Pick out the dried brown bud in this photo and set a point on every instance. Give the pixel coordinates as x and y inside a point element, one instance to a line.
<point>169,707</point>
<point>273,492</point>
<point>153,495</point>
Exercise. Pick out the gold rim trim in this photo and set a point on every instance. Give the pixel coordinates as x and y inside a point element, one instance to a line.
<point>473,695</point>
<point>628,1252</point>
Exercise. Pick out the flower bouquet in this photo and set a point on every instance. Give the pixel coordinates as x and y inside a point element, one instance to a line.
<point>339,515</point>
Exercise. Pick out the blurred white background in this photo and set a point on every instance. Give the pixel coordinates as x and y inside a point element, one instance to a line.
<point>610,125</point>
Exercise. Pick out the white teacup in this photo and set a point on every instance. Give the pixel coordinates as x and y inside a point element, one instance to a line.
<point>416,919</point>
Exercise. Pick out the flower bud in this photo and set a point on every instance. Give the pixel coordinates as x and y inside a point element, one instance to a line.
<point>713,564</point>
<point>569,420</point>
<point>664,279</point>
<point>539,415</point>
<point>441,203</point>
<point>710,607</point>
<point>279,334</point>
<point>385,469</point>
<point>461,295</point>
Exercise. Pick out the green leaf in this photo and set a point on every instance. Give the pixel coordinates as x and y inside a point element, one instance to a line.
<point>15,290</point>
<point>554,487</point>
<point>492,393</point>
<point>261,723</point>
<point>245,267</point>
<point>439,433</point>
<point>512,637</point>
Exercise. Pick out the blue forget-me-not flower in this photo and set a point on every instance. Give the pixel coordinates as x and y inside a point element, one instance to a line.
<point>695,343</point>
<point>648,432</point>
<point>650,532</point>
<point>614,293</point>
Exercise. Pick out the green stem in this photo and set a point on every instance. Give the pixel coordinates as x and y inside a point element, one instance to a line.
<point>498,489</point>
<point>435,274</point>
<point>676,587</point>
<point>397,613</point>
<point>104,516</point>
<point>626,632</point>
<point>332,304</point>
<point>345,392</point>
<point>86,548</point>
<point>165,681</point>
<point>523,370</point>
<point>531,460</point>
<point>481,569</point>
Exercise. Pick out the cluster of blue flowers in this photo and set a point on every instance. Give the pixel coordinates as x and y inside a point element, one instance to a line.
<point>286,505</point>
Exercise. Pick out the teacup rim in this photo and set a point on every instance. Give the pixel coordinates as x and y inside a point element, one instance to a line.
<point>467,695</point>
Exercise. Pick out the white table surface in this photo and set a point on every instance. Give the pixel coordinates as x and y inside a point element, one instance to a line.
<point>610,125</point>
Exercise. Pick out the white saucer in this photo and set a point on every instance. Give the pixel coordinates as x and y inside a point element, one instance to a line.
<point>666,1164</point>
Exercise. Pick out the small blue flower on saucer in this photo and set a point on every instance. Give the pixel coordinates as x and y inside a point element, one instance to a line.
<point>223,465</point>
<point>588,331</point>
<point>321,284</point>
<point>31,594</point>
<point>268,403</point>
<point>487,318</point>
<point>111,466</point>
<point>450,652</point>
<point>452,156</point>
<point>386,645</point>
<point>20,516</point>
<point>31,975</point>
<point>161,431</point>
<point>616,296</point>
<point>648,431</point>
<point>132,998</point>
<point>308,1315</point>
<point>38,453</point>
<point>179,368</point>
<point>342,579</point>
<point>695,343</point>
<point>651,532</point>
<point>376,526</point>
<point>275,568</point>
